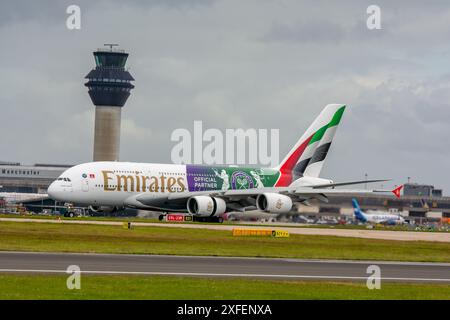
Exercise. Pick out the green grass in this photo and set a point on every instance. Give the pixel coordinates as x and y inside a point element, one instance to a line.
<point>20,236</point>
<point>168,287</point>
<point>80,218</point>
<point>242,223</point>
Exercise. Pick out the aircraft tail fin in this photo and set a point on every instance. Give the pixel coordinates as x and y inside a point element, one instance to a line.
<point>307,157</point>
<point>357,211</point>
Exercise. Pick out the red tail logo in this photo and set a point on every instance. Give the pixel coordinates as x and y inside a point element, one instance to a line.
<point>396,191</point>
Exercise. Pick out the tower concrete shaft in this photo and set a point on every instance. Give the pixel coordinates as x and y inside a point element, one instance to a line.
<point>107,133</point>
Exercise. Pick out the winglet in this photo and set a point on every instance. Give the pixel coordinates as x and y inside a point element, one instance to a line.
<point>396,191</point>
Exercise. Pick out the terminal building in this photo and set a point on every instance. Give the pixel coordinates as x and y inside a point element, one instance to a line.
<point>16,177</point>
<point>415,189</point>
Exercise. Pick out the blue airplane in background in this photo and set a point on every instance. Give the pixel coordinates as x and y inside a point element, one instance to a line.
<point>376,217</point>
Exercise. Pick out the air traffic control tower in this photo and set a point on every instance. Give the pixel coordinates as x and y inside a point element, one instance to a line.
<point>109,87</point>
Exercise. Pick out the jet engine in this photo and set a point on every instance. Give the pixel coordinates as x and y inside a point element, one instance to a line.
<point>206,206</point>
<point>274,203</point>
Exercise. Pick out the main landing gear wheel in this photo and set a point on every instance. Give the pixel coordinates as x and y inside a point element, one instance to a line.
<point>161,217</point>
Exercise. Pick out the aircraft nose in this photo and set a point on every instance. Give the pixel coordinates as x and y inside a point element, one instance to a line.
<point>52,190</point>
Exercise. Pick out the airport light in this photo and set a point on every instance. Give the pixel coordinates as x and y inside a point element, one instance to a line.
<point>365,185</point>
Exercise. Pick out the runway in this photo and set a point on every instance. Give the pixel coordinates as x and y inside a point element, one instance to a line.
<point>353,233</point>
<point>260,268</point>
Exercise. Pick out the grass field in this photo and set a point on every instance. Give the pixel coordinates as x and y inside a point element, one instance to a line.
<point>160,287</point>
<point>158,240</point>
<point>242,223</point>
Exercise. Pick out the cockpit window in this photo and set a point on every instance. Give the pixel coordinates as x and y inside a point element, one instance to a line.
<point>64,179</point>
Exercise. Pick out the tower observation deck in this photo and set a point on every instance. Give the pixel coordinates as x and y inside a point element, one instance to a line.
<point>109,87</point>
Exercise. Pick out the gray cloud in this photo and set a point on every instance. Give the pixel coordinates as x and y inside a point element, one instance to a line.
<point>317,32</point>
<point>261,64</point>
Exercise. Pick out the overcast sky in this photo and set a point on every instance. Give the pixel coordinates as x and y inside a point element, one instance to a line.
<point>235,64</point>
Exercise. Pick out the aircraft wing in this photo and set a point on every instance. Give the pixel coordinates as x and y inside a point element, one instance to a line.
<point>235,195</point>
<point>340,184</point>
<point>296,191</point>
<point>245,199</point>
<point>292,190</point>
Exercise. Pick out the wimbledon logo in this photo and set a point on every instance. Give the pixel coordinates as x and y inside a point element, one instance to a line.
<point>241,180</point>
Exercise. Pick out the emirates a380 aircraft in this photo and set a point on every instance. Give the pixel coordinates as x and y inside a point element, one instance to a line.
<point>209,191</point>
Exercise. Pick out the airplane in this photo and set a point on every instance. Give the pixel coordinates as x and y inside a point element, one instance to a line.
<point>376,217</point>
<point>207,192</point>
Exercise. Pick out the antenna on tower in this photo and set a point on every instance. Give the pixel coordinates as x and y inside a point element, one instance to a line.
<point>111,45</point>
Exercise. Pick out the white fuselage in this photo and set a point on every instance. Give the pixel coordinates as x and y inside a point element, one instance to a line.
<point>120,184</point>
<point>383,217</point>
<point>111,183</point>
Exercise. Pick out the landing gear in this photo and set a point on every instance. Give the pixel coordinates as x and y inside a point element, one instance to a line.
<point>161,217</point>
<point>208,219</point>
